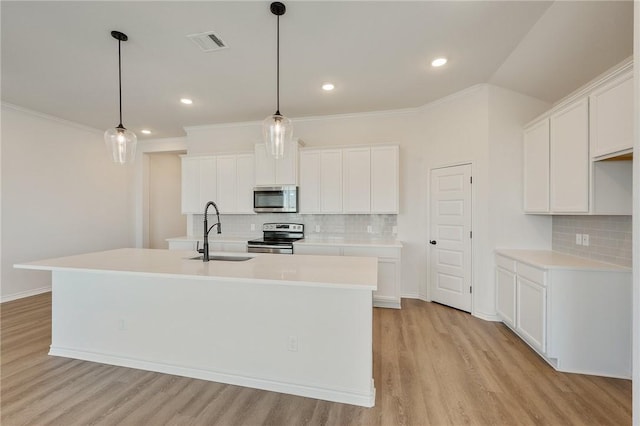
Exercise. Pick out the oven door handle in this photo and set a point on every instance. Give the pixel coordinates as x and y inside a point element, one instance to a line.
<point>270,249</point>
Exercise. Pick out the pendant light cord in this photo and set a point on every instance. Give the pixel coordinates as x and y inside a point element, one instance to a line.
<point>120,82</point>
<point>278,65</point>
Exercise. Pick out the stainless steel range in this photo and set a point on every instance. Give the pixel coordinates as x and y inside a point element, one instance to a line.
<point>277,238</point>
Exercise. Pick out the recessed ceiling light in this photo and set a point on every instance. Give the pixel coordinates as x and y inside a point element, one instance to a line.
<point>328,87</point>
<point>186,101</point>
<point>145,131</point>
<point>438,62</point>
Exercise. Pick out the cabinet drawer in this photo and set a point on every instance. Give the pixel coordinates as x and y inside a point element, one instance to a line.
<point>317,250</point>
<point>532,274</point>
<point>389,252</point>
<point>506,263</point>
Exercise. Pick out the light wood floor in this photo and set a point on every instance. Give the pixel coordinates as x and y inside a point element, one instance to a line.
<point>432,366</point>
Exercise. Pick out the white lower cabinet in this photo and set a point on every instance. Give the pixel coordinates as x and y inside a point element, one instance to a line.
<point>578,318</point>
<point>389,267</point>
<point>531,312</point>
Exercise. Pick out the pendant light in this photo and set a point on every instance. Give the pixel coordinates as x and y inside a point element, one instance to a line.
<point>277,129</point>
<point>120,142</point>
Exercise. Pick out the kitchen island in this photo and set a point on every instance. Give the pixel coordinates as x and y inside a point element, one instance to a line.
<point>294,324</point>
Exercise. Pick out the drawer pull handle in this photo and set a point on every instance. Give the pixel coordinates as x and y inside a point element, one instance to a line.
<point>433,242</point>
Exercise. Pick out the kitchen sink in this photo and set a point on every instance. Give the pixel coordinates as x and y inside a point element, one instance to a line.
<point>225,258</point>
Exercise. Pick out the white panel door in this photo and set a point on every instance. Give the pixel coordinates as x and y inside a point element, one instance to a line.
<point>245,182</point>
<point>357,180</point>
<point>286,168</point>
<point>569,142</point>
<point>265,167</point>
<point>450,236</point>
<point>384,179</point>
<point>536,168</point>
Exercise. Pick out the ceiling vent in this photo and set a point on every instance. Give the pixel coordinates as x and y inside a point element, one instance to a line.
<point>208,41</point>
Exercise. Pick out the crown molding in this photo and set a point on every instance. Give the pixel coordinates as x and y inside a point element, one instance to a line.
<point>51,118</point>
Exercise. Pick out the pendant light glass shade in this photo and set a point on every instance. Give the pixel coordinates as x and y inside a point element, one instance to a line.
<point>276,130</point>
<point>121,143</point>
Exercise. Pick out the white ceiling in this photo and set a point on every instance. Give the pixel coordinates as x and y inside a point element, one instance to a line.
<point>59,58</point>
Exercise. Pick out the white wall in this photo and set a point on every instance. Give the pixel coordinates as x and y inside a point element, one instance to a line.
<point>61,195</point>
<point>165,216</point>
<point>482,125</point>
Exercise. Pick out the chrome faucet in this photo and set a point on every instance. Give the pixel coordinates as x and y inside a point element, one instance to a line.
<point>205,245</point>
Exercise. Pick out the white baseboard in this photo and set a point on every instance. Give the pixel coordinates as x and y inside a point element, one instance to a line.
<point>386,302</point>
<point>486,317</point>
<point>23,294</point>
<point>333,395</point>
<point>410,296</point>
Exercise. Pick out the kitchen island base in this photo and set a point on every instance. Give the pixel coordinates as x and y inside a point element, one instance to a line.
<point>307,340</point>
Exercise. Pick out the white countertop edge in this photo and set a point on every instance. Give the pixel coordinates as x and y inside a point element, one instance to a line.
<point>214,238</point>
<point>204,277</point>
<point>550,259</point>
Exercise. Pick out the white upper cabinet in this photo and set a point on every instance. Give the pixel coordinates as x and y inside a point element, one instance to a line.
<point>245,181</point>
<point>360,180</point>
<point>225,179</point>
<point>384,179</point>
<point>569,171</point>
<point>321,181</point>
<point>357,180</point>
<point>611,113</point>
<point>565,149</point>
<point>272,172</point>
<point>536,167</point>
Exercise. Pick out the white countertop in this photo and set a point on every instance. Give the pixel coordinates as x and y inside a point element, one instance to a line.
<point>317,271</point>
<point>548,259</point>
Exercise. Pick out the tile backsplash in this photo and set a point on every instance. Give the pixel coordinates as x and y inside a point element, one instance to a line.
<point>609,237</point>
<point>352,225</point>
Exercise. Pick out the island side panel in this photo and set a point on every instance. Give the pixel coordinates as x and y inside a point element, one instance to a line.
<point>309,341</point>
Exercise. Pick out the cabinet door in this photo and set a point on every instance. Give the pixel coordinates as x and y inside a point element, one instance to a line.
<point>286,168</point>
<point>531,309</point>
<point>245,178</point>
<point>357,180</point>
<point>191,185</point>
<point>506,296</point>
<point>388,293</point>
<point>569,141</point>
<point>208,181</point>
<point>226,177</point>
<point>331,181</point>
<point>384,179</point>
<point>611,117</point>
<point>265,167</point>
<point>309,195</point>
<point>536,168</point>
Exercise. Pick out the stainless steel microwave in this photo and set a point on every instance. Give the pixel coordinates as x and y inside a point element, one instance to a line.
<point>275,199</point>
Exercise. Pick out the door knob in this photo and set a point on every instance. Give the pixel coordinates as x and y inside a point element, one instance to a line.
<point>433,242</point>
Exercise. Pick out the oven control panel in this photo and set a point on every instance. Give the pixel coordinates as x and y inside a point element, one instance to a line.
<point>287,227</point>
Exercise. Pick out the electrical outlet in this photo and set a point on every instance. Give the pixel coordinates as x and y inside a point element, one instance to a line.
<point>317,228</point>
<point>253,226</point>
<point>585,239</point>
<point>122,325</point>
<point>394,230</point>
<point>579,239</point>
<point>370,229</point>
<point>292,344</point>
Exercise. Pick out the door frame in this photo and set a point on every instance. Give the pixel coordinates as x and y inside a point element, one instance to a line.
<point>141,183</point>
<point>428,231</point>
